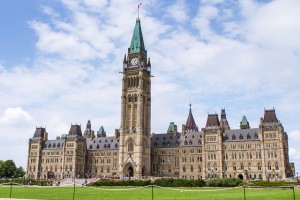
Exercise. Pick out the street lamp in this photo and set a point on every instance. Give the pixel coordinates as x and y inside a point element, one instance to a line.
<point>297,178</point>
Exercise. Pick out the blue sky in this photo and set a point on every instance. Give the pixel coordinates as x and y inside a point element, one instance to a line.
<point>59,64</point>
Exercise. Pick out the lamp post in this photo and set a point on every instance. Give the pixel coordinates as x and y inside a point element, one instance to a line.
<point>297,178</point>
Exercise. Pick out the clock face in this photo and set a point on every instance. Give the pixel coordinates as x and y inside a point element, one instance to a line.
<point>134,61</point>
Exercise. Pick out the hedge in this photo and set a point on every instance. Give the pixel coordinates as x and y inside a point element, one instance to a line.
<point>270,183</point>
<point>170,182</point>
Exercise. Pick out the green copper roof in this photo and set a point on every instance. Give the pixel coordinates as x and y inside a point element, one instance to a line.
<point>171,127</point>
<point>101,131</point>
<point>244,121</point>
<point>137,40</point>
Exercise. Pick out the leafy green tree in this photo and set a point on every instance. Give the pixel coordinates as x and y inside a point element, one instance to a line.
<point>19,172</point>
<point>7,168</point>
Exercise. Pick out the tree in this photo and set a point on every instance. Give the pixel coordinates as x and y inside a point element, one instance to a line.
<point>19,172</point>
<point>7,168</point>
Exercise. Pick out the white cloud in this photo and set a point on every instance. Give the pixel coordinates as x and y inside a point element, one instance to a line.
<point>294,154</point>
<point>178,11</point>
<point>16,117</point>
<point>294,135</point>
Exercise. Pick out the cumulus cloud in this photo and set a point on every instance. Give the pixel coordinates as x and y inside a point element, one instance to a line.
<point>16,117</point>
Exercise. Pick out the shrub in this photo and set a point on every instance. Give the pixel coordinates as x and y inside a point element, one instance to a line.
<point>224,182</point>
<point>270,183</point>
<point>121,183</point>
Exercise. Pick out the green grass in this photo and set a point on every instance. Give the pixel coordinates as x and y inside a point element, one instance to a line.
<point>125,193</point>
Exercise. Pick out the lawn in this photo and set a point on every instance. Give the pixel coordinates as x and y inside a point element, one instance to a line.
<point>118,193</point>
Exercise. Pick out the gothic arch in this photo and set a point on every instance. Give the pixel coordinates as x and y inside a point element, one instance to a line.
<point>130,143</point>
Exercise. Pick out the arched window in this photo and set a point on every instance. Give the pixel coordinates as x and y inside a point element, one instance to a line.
<point>130,146</point>
<point>215,166</point>
<point>258,166</point>
<point>248,136</point>
<point>241,137</point>
<point>192,168</point>
<point>269,166</point>
<point>234,167</point>
<point>276,166</point>
<point>256,136</point>
<point>98,146</point>
<point>116,145</point>
<point>225,167</point>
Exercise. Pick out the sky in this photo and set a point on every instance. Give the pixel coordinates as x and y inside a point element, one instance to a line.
<point>60,63</point>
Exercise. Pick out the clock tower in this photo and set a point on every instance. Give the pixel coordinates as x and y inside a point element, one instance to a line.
<point>135,137</point>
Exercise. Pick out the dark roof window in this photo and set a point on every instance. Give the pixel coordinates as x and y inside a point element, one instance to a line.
<point>190,142</point>
<point>54,145</point>
<point>98,146</point>
<point>116,145</point>
<point>233,137</point>
<point>185,142</point>
<point>241,137</point>
<point>91,146</point>
<point>255,136</point>
<point>226,137</point>
<point>248,136</point>
<point>49,145</point>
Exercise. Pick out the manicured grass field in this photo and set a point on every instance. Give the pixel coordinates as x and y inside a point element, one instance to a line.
<point>117,193</point>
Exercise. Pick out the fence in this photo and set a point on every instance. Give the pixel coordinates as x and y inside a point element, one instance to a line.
<point>151,192</point>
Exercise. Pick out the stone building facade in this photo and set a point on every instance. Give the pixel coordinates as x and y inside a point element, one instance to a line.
<point>215,151</point>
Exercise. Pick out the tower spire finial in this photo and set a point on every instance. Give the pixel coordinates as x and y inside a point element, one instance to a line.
<point>190,104</point>
<point>139,6</point>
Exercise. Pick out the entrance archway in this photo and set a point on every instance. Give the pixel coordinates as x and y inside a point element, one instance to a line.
<point>130,172</point>
<point>240,176</point>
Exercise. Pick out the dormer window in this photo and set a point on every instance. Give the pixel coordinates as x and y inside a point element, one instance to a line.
<point>49,145</point>
<point>226,137</point>
<point>255,136</point>
<point>190,142</point>
<point>233,137</point>
<point>91,146</point>
<point>116,145</point>
<point>199,142</point>
<point>241,137</point>
<point>98,146</point>
<point>54,145</point>
<point>248,136</point>
<point>185,142</point>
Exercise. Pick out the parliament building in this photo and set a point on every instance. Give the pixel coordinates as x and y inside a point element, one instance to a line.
<point>214,151</point>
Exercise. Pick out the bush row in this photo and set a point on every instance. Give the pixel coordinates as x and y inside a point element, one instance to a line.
<point>26,181</point>
<point>121,183</point>
<point>170,182</point>
<point>270,183</point>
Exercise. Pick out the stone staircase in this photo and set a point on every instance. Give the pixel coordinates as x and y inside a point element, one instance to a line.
<point>78,181</point>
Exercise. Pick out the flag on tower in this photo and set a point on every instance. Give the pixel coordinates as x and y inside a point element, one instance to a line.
<point>139,5</point>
